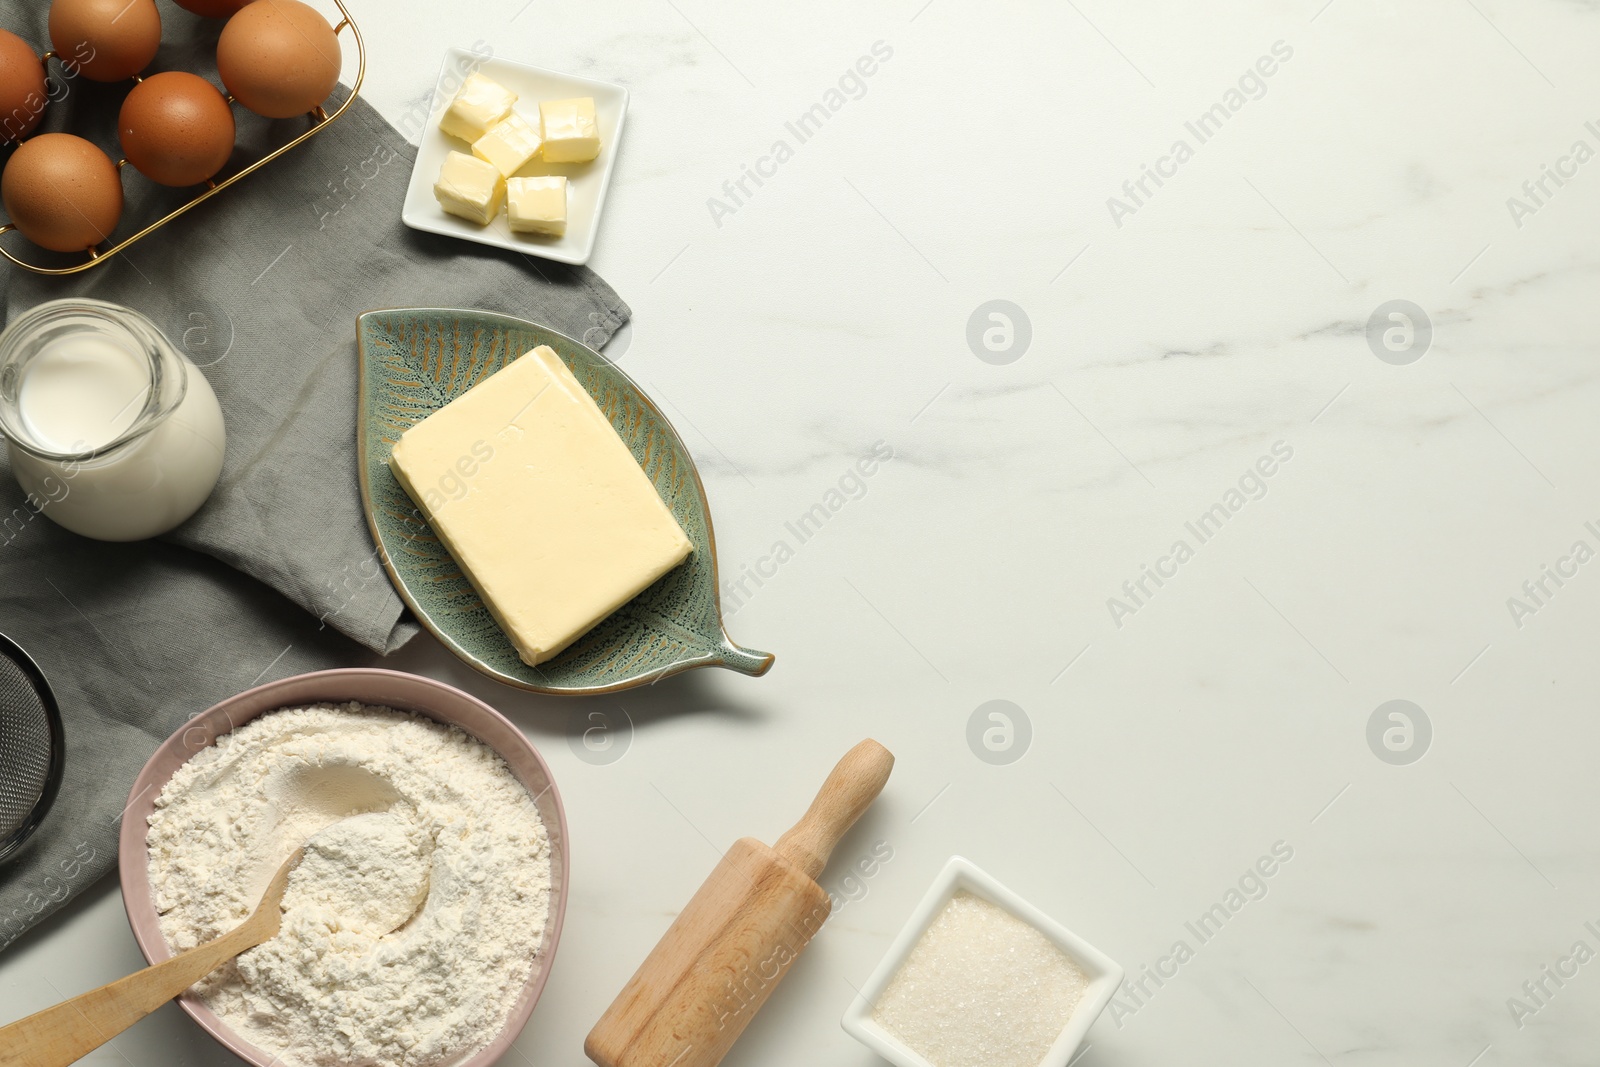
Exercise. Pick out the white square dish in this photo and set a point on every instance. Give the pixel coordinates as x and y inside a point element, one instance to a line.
<point>1104,975</point>
<point>586,182</point>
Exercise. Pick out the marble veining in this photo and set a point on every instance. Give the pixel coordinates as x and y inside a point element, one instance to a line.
<point>1240,705</point>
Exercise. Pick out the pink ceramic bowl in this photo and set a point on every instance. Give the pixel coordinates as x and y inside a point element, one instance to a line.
<point>405,692</point>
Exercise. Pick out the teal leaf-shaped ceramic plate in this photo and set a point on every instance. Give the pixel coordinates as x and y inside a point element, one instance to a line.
<point>416,360</point>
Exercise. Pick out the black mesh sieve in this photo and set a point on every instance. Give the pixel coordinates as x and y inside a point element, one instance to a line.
<point>31,747</point>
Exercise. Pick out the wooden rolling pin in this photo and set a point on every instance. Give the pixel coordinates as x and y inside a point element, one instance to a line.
<point>720,960</point>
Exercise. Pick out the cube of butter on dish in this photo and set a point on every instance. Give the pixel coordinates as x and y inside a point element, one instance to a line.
<point>509,144</point>
<point>537,205</point>
<point>470,188</point>
<point>542,505</point>
<point>480,104</point>
<point>571,134</point>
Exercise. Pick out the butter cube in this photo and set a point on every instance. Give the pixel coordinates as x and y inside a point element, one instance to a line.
<point>537,205</point>
<point>509,144</point>
<point>480,104</point>
<point>571,134</point>
<point>542,505</point>
<point>470,188</point>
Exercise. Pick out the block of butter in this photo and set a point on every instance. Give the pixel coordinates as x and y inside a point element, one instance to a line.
<point>470,187</point>
<point>480,104</point>
<point>540,502</point>
<point>571,134</point>
<point>509,144</point>
<point>537,205</point>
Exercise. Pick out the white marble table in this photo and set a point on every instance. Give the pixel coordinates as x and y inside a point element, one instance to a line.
<point>1199,326</point>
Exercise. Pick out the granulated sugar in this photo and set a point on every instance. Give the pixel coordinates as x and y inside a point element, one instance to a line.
<point>981,988</point>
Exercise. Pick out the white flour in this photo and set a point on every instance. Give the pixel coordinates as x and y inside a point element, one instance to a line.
<point>413,921</point>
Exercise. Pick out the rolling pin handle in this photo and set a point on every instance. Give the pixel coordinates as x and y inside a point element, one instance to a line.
<point>851,787</point>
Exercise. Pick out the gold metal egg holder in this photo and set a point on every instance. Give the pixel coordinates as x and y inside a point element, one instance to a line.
<point>320,117</point>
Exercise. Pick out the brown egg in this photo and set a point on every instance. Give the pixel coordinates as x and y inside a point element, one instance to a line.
<point>212,9</point>
<point>22,89</point>
<point>62,192</point>
<point>176,128</point>
<point>108,40</point>
<point>279,58</point>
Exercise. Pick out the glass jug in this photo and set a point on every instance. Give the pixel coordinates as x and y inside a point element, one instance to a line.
<point>112,432</point>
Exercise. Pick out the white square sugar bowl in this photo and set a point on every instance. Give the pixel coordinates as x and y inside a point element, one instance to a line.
<point>959,874</point>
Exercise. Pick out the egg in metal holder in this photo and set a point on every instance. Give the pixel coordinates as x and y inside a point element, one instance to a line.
<point>62,192</point>
<point>176,129</point>
<point>176,165</point>
<point>23,92</point>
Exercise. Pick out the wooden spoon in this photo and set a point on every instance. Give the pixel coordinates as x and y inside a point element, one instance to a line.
<point>72,1029</point>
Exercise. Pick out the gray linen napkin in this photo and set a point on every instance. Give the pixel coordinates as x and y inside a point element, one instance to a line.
<point>260,287</point>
